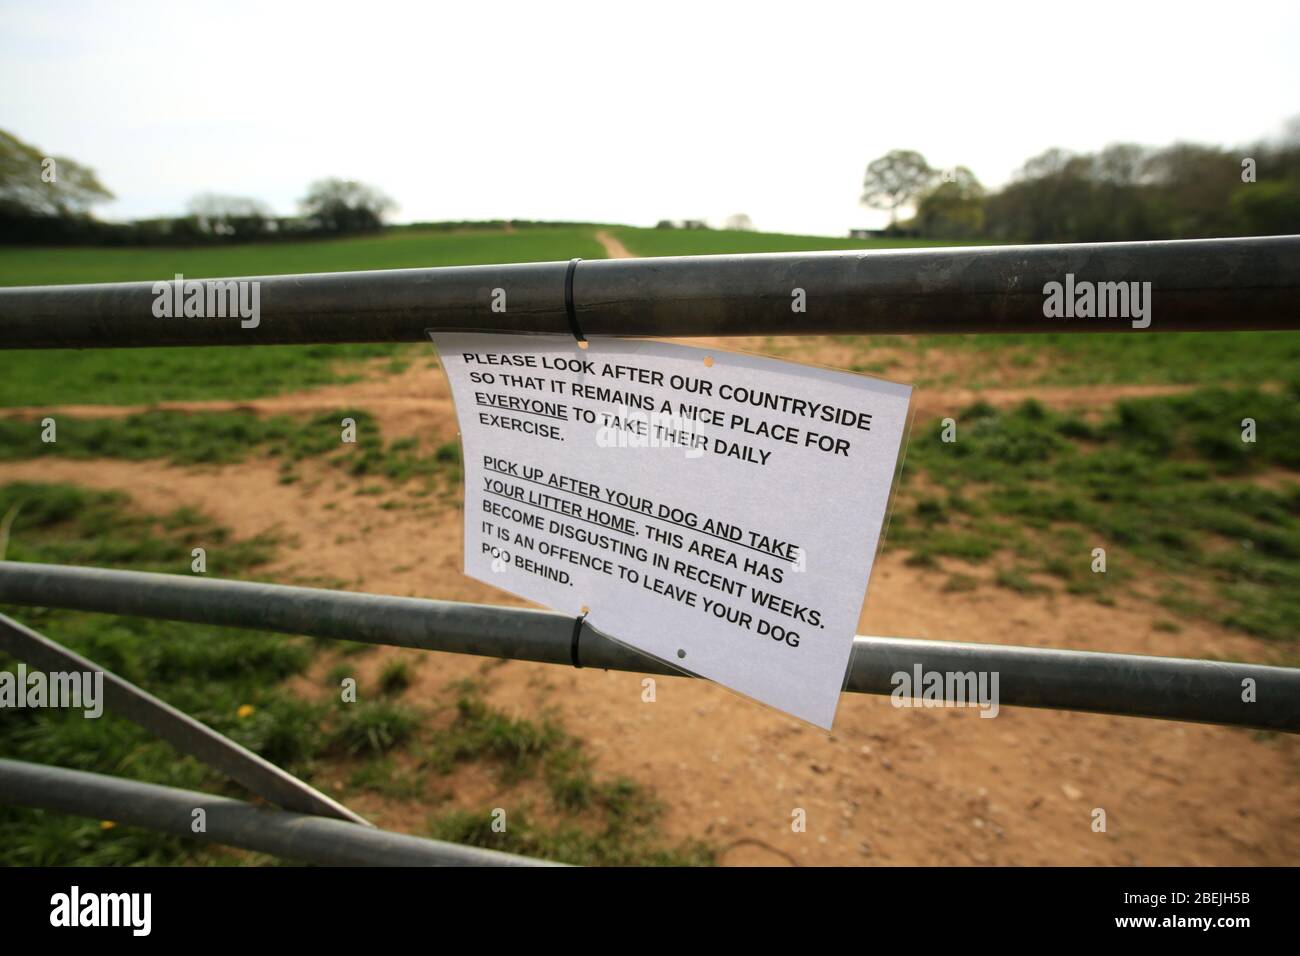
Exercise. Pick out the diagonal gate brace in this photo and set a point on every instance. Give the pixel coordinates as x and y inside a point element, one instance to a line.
<point>179,729</point>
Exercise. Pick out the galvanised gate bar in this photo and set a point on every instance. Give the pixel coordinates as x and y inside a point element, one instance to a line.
<point>1199,285</point>
<point>1248,284</point>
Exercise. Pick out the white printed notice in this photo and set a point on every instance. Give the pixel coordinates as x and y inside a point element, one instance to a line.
<point>715,510</point>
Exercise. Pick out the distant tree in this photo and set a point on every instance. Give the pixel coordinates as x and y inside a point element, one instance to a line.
<point>345,206</point>
<point>739,223</point>
<point>1118,205</point>
<point>1281,156</point>
<point>894,180</point>
<point>31,186</point>
<point>1122,164</point>
<point>231,216</point>
<point>953,208</point>
<point>1044,201</point>
<point>1191,190</point>
<point>1270,208</point>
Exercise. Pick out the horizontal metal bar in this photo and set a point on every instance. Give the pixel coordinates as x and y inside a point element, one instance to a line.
<point>1125,684</point>
<point>179,729</point>
<point>281,833</point>
<point>1196,285</point>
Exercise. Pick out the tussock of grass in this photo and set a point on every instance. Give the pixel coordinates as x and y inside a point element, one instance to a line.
<point>960,582</point>
<point>395,677</point>
<point>384,777</point>
<point>1016,579</point>
<point>401,461</point>
<point>373,727</point>
<point>478,731</point>
<point>601,822</point>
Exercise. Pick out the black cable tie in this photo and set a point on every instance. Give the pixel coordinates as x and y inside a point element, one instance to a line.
<point>569,309</point>
<point>577,633</point>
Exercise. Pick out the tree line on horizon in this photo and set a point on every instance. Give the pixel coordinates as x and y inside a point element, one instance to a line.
<point>50,199</point>
<point>1123,192</point>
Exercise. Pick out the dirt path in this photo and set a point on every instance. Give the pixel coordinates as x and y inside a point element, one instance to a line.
<point>613,248</point>
<point>889,786</point>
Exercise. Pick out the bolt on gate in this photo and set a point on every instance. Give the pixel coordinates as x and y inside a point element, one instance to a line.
<point>1250,284</point>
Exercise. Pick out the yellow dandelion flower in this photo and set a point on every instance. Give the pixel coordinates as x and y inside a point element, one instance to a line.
<point>245,710</point>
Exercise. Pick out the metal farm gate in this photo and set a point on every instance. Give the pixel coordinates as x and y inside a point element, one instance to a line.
<point>1199,285</point>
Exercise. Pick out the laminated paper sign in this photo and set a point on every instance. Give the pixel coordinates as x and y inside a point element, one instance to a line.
<point>718,511</point>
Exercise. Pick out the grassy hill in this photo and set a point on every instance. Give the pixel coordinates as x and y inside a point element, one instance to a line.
<point>391,250</point>
<point>708,242</point>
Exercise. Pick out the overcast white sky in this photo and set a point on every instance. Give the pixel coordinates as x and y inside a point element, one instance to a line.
<point>617,112</point>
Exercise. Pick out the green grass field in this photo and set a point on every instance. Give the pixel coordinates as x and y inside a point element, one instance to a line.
<point>710,242</point>
<point>392,250</point>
